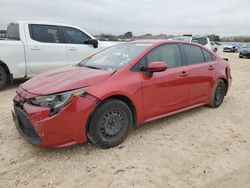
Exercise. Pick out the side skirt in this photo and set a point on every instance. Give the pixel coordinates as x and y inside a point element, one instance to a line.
<point>174,112</point>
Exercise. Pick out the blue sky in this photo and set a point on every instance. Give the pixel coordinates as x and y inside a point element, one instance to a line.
<point>223,17</point>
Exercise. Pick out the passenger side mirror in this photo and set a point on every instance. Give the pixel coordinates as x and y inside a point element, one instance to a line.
<point>94,42</point>
<point>155,67</point>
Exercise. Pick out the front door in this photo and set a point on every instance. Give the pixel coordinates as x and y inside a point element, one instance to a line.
<point>77,50</point>
<point>166,91</point>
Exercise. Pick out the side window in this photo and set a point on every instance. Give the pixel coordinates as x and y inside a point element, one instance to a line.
<point>13,32</point>
<point>74,36</point>
<point>44,33</point>
<point>193,54</point>
<point>142,63</point>
<point>169,54</point>
<point>208,56</point>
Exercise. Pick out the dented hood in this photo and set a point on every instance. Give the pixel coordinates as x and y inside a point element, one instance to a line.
<point>64,79</point>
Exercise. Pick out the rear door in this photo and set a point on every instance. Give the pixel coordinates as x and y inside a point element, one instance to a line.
<point>165,91</point>
<point>75,40</point>
<point>45,49</point>
<point>201,65</point>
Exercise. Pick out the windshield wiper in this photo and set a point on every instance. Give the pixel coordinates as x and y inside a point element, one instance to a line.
<point>92,67</point>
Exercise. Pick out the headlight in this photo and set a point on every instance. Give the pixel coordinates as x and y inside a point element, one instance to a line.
<point>56,101</point>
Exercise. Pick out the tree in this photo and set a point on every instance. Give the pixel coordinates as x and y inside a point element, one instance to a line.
<point>214,37</point>
<point>128,35</point>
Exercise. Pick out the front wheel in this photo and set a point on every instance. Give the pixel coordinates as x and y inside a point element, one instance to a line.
<point>110,124</point>
<point>3,77</point>
<point>218,94</point>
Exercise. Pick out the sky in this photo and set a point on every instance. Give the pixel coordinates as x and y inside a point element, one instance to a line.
<point>222,17</point>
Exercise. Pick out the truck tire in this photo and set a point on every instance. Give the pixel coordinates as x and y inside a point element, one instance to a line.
<point>3,77</point>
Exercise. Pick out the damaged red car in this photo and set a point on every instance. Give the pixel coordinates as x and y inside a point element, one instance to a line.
<point>104,96</point>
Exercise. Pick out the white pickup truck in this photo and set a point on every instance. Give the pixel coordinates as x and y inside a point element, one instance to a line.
<point>31,48</point>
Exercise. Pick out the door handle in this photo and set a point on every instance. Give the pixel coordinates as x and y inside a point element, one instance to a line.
<point>73,49</point>
<point>210,67</point>
<point>35,48</point>
<point>183,74</point>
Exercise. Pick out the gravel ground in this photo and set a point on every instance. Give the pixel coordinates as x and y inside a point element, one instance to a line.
<point>200,148</point>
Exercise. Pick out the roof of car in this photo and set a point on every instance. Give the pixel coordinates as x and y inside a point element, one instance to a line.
<point>156,42</point>
<point>43,23</point>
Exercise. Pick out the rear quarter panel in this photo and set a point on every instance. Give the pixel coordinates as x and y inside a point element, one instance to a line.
<point>12,53</point>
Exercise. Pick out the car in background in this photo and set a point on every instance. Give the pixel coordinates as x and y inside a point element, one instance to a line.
<point>104,96</point>
<point>33,47</point>
<point>244,51</point>
<point>231,48</point>
<point>214,46</point>
<point>195,39</point>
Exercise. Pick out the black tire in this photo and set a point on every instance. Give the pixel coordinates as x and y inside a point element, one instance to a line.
<point>218,94</point>
<point>3,77</point>
<point>110,124</point>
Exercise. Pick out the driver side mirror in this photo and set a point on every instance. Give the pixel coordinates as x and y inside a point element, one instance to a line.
<point>94,42</point>
<point>155,67</point>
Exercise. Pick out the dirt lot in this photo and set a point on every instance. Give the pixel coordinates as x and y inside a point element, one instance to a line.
<point>200,148</point>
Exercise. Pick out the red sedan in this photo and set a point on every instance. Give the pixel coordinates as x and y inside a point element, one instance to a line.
<point>104,96</point>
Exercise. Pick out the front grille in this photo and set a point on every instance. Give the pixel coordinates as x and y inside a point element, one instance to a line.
<point>24,125</point>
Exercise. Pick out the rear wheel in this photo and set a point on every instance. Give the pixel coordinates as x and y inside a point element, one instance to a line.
<point>3,77</point>
<point>110,124</point>
<point>218,94</point>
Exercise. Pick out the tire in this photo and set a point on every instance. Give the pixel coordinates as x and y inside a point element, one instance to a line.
<point>218,94</point>
<point>110,124</point>
<point>3,77</point>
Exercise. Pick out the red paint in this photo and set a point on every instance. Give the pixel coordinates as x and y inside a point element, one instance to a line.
<point>163,94</point>
<point>157,67</point>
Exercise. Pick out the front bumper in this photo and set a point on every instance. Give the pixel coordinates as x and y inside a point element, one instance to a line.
<point>24,125</point>
<point>65,128</point>
<point>228,50</point>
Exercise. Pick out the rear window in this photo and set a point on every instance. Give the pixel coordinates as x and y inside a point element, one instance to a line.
<point>44,33</point>
<point>193,54</point>
<point>13,32</point>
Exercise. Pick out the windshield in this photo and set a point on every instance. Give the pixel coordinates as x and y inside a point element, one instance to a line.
<point>114,57</point>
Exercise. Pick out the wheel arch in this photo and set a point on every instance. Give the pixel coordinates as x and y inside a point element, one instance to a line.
<point>6,68</point>
<point>120,97</point>
<point>225,81</point>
